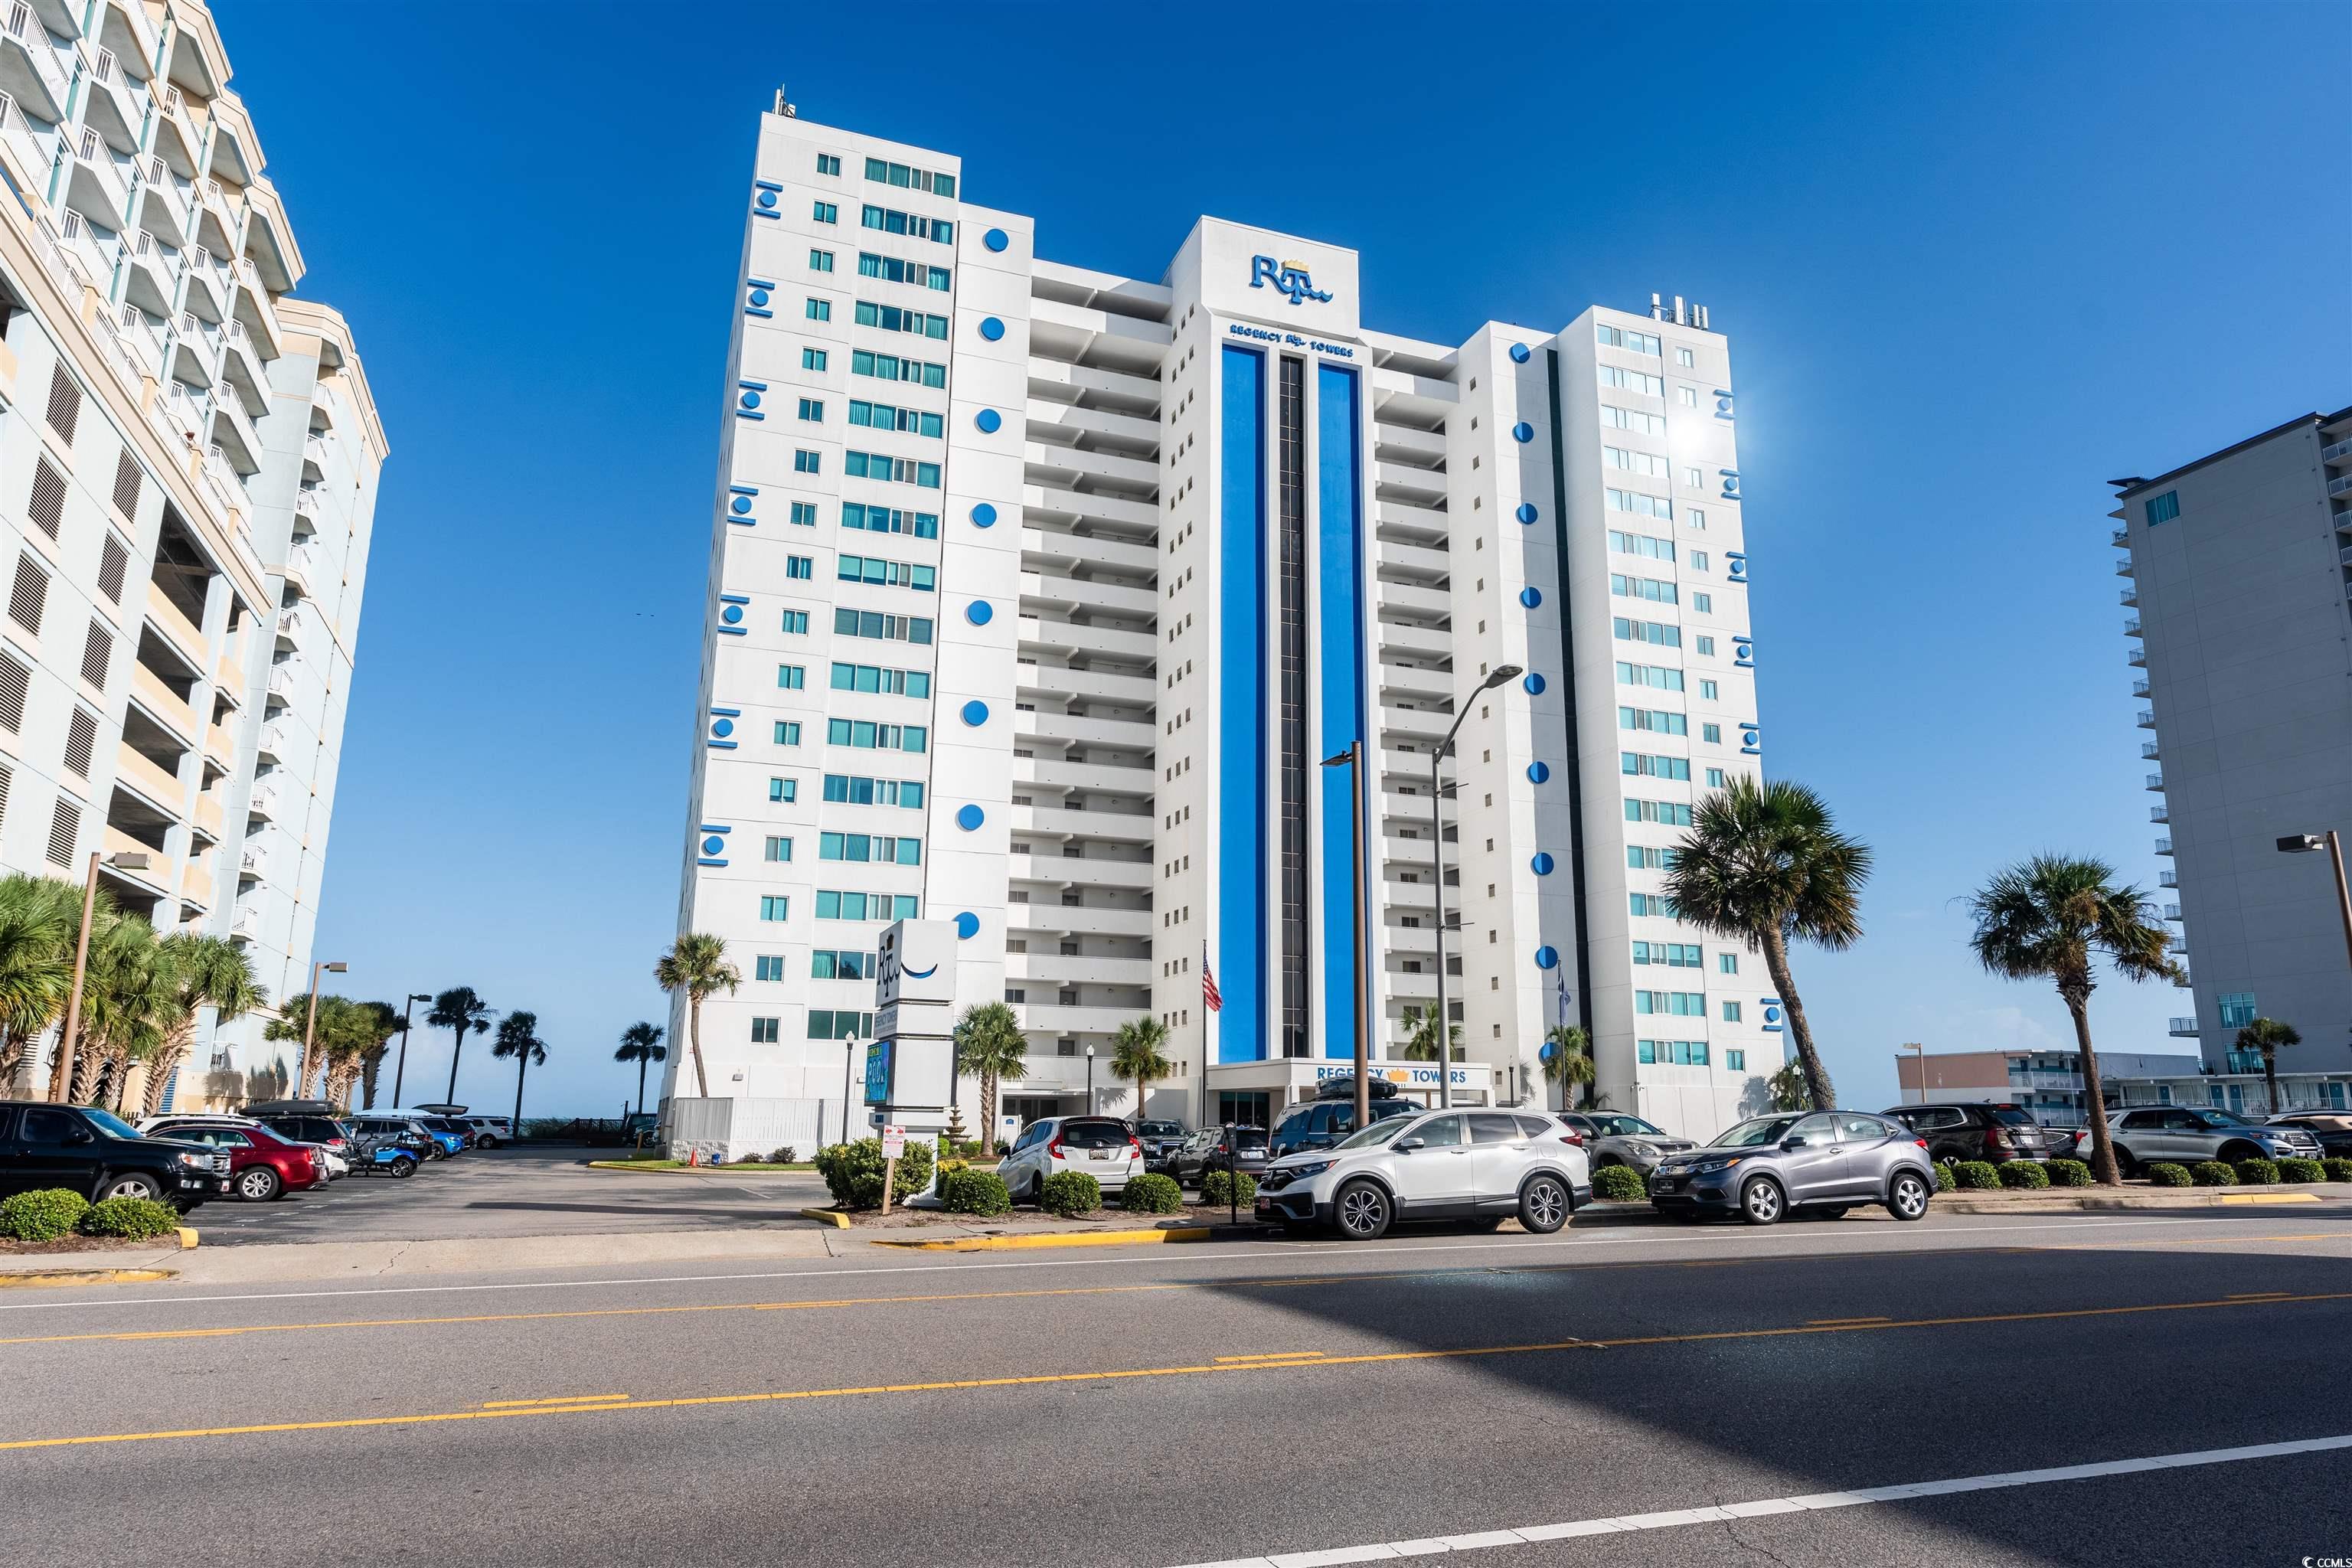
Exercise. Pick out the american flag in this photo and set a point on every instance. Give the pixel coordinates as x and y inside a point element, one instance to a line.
<point>1209,997</point>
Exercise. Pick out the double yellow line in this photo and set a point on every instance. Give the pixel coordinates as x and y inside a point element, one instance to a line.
<point>1293,1361</point>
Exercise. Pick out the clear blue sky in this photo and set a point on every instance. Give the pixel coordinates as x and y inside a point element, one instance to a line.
<point>1973,262</point>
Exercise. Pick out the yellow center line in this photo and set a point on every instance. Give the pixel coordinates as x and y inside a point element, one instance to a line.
<point>1839,1322</point>
<point>1270,1355</point>
<point>1031,1379</point>
<point>556,1399</point>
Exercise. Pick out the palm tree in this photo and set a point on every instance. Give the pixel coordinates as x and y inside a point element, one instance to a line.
<point>38,916</point>
<point>129,1004</point>
<point>1135,1053</point>
<point>2041,919</point>
<point>517,1039</point>
<point>696,964</point>
<point>458,1009</point>
<point>2267,1036</point>
<point>1789,1092</point>
<point>1763,865</point>
<point>989,1042</point>
<point>641,1042</point>
<point>1421,1036</point>
<point>212,971</point>
<point>382,1022</point>
<point>1568,1061</point>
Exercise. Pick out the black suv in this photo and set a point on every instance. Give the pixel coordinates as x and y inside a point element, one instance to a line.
<point>98,1155</point>
<point>1208,1150</point>
<point>1980,1131</point>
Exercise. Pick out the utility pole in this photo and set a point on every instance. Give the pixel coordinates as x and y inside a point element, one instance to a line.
<point>1437,850</point>
<point>61,1079</point>
<point>400,1066</point>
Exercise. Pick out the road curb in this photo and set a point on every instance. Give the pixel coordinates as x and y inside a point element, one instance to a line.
<point>834,1217</point>
<point>1061,1239</point>
<point>13,1277</point>
<point>639,1168</point>
<point>2109,1203</point>
<point>187,1237</point>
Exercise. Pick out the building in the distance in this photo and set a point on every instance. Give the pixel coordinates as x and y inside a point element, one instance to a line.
<point>2049,1084</point>
<point>188,460</point>
<point>2237,571</point>
<point>1040,596</point>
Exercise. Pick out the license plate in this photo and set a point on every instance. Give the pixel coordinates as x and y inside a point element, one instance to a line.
<point>1263,1206</point>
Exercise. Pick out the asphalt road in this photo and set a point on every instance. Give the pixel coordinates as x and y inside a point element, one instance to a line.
<point>1229,1403</point>
<point>530,1191</point>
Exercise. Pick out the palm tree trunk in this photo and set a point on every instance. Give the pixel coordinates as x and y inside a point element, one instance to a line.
<point>2095,1105</point>
<point>159,1077</point>
<point>988,1113</point>
<point>2270,1076</point>
<point>455,1051</point>
<point>1776,960</point>
<point>522,1065</point>
<point>694,1039</point>
<point>641,1085</point>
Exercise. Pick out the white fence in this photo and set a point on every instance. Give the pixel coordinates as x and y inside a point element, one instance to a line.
<point>719,1132</point>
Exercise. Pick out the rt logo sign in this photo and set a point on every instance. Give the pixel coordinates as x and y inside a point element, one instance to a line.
<point>1286,276</point>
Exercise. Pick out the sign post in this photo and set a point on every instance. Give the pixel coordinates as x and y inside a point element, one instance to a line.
<point>893,1143</point>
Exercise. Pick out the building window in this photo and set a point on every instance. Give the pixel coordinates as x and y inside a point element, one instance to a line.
<point>791,676</point>
<point>807,462</point>
<point>1655,590</point>
<point>1706,647</point>
<point>890,628</point>
<point>844,1025</point>
<point>1711,734</point>
<point>1684,358</point>
<point>887,519</point>
<point>890,269</point>
<point>784,790</point>
<point>2163,508</point>
<point>914,225</point>
<point>799,566</point>
<point>847,964</point>
<point>774,907</point>
<point>865,735</point>
<point>1652,904</point>
<point>1702,602</point>
<point>811,359</point>
<point>1731,1012</point>
<point>1641,765</point>
<point>1686,395</point>
<point>803,514</point>
<point>779,848</point>
<point>764,1031</point>
<point>796,621</point>
<point>820,261</point>
<point>1706,690</point>
<point>1619,338</point>
<point>1672,955</point>
<point>883,417</point>
<point>1714,778</point>
<point>890,368</point>
<point>1735,1061</point>
<point>1633,381</point>
<point>1694,516</point>
<point>870,846</point>
<point>884,574</point>
<point>826,163</point>
<point>827,212</point>
<point>833,906</point>
<point>788,731</point>
<point>819,309</point>
<point>1726,962</point>
<point>812,410</point>
<point>888,682</point>
<point>894,319</point>
<point>1676,1004</point>
<point>768,966</point>
<point>1657,632</point>
<point>850,790</point>
<point>880,466</point>
<point>2237,1009</point>
<point>886,172</point>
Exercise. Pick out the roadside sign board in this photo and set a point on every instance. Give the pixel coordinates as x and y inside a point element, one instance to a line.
<point>893,1142</point>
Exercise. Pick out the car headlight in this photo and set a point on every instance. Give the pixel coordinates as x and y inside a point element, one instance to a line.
<point>1725,1164</point>
<point>201,1161</point>
<point>1311,1168</point>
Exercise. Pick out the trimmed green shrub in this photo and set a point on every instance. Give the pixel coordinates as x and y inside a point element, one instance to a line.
<point>1944,1182</point>
<point>1217,1189</point>
<point>138,1219</point>
<point>2023,1173</point>
<point>2301,1171</point>
<point>852,1173</point>
<point>46,1214</point>
<point>1976,1175</point>
<point>2338,1170</point>
<point>1152,1194</point>
<point>966,1191</point>
<point>1617,1184</point>
<point>2258,1172</point>
<point>2068,1173</point>
<point>787,1155</point>
<point>1069,1194</point>
<point>2165,1173</point>
<point>2212,1173</point>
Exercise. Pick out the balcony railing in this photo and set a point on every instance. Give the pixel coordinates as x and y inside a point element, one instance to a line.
<point>2120,538</point>
<point>2159,813</point>
<point>2139,687</point>
<point>2156,780</point>
<point>2168,878</point>
<point>2339,484</point>
<point>2164,846</point>
<point>2340,449</point>
<point>2147,722</point>
<point>2172,911</point>
<point>2131,627</point>
<point>2184,1028</point>
<point>2148,750</point>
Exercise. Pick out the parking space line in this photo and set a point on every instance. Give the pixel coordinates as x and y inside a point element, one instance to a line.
<point>1195,1369</point>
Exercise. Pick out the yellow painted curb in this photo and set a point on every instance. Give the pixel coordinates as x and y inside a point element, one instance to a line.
<point>641,1168</point>
<point>2270,1197</point>
<point>87,1277</point>
<point>1051,1238</point>
<point>832,1218</point>
<point>187,1238</point>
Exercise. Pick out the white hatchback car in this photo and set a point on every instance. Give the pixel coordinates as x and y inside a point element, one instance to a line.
<point>1482,1166</point>
<point>1099,1146</point>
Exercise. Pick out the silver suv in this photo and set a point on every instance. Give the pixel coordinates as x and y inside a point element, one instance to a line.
<point>1826,1161</point>
<point>1616,1139</point>
<point>1483,1166</point>
<point>2184,1134</point>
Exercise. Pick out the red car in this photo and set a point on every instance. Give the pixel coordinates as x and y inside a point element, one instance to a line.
<point>262,1164</point>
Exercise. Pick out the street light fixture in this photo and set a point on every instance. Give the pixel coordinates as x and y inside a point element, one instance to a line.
<point>400,1065</point>
<point>2308,843</point>
<point>310,1019</point>
<point>1091,1081</point>
<point>1437,850</point>
<point>1353,758</point>
<point>61,1081</point>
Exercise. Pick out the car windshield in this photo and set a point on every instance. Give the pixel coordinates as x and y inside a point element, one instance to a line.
<point>1754,1134</point>
<point>1380,1131</point>
<point>113,1126</point>
<point>1247,1138</point>
<point>2223,1119</point>
<point>1158,1129</point>
<point>1627,1127</point>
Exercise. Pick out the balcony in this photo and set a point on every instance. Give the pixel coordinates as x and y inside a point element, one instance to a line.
<point>192,361</point>
<point>168,707</point>
<point>133,769</point>
<point>1087,596</point>
<point>99,187</point>
<point>2124,567</point>
<point>2339,484</point>
<point>2168,878</point>
<point>301,562</point>
<point>2148,750</point>
<point>148,284</point>
<point>204,286</point>
<point>2156,780</point>
<point>167,617</point>
<point>295,628</point>
<point>1076,968</point>
<point>2172,911</point>
<point>2341,452</point>
<point>2183,1028</point>
<point>29,72</point>
<point>245,924</point>
<point>2131,627</point>
<point>208,814</point>
<point>111,108</point>
<point>263,803</point>
<point>2159,813</point>
<point>314,459</point>
<point>255,308</point>
<point>2139,687</point>
<point>241,368</point>
<point>196,886</point>
<point>232,432</point>
<point>2130,597</point>
<point>2120,538</point>
<point>2164,846</point>
<point>2137,658</point>
<point>2147,720</point>
<point>254,860</point>
<point>1072,920</point>
<point>1055,870</point>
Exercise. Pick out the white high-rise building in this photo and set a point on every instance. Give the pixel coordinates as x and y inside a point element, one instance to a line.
<point>1038,596</point>
<point>188,461</point>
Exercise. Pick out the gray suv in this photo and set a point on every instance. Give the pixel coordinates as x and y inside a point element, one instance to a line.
<point>1616,1139</point>
<point>1825,1161</point>
<point>2184,1134</point>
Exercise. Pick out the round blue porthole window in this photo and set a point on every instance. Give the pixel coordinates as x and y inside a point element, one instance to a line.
<point>1546,958</point>
<point>969,818</point>
<point>767,198</point>
<point>1542,864</point>
<point>714,845</point>
<point>983,515</point>
<point>989,420</point>
<point>1534,684</point>
<point>1523,431</point>
<point>740,506</point>
<point>1527,512</point>
<point>995,239</point>
<point>1518,354</point>
<point>732,614</point>
<point>975,714</point>
<point>1530,597</point>
<point>723,728</point>
<point>979,613</point>
<point>1538,772</point>
<point>967,925</point>
<point>759,296</point>
<point>749,399</point>
<point>991,328</point>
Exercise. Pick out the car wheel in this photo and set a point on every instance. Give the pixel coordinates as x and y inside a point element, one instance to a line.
<point>403,1169</point>
<point>257,1183</point>
<point>131,1184</point>
<point>2125,1164</point>
<point>2233,1153</point>
<point>486,1141</point>
<point>1760,1202</point>
<point>1544,1205</point>
<point>1908,1198</point>
<point>1361,1211</point>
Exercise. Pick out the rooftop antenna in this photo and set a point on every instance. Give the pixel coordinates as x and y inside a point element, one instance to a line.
<point>784,106</point>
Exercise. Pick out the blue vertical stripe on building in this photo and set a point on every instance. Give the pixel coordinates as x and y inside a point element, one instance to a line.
<point>1241,894</point>
<point>1340,627</point>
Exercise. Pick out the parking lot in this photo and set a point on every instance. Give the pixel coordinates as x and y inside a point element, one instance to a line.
<point>533,1191</point>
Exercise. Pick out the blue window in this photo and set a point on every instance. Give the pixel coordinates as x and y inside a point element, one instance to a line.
<point>1727,963</point>
<point>872,678</point>
<point>804,513</point>
<point>1674,814</point>
<point>1650,588</point>
<point>764,1031</point>
<point>819,309</point>
<point>791,676</point>
<point>880,466</point>
<point>843,1025</point>
<point>1678,1004</point>
<point>1731,1012</point>
<point>827,212</point>
<point>812,410</point>
<point>801,566</point>
<point>833,905</point>
<point>1644,765</point>
<point>1707,646</point>
<point>867,735</point>
<point>890,269</point>
<point>850,790</point>
<point>883,417</point>
<point>779,848</point>
<point>886,574</point>
<point>820,261</point>
<point>807,462</point>
<point>890,628</point>
<point>768,966</point>
<point>1673,954</point>
<point>870,846</point>
<point>811,359</point>
<point>1652,904</point>
<point>1652,718</point>
<point>1714,778</point>
<point>796,621</point>
<point>892,319</point>
<point>888,519</point>
<point>1648,857</point>
<point>889,220</point>
<point>1702,602</point>
<point>826,163</point>
<point>774,907</point>
<point>784,790</point>
<point>788,731</point>
<point>2163,508</point>
<point>890,368</point>
<point>906,178</point>
<point>1735,1061</point>
<point>2237,1009</point>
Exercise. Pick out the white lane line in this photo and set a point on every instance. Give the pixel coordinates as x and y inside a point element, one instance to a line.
<point>1271,1257</point>
<point>1386,1550</point>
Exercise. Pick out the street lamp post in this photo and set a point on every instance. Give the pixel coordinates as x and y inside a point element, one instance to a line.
<point>400,1066</point>
<point>1437,850</point>
<point>848,1063</point>
<point>1091,1081</point>
<point>1353,758</point>
<point>309,1021</point>
<point>2305,844</point>
<point>1919,1053</point>
<point>61,1081</point>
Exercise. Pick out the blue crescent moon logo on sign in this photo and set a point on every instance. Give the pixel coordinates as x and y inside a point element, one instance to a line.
<point>923,973</point>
